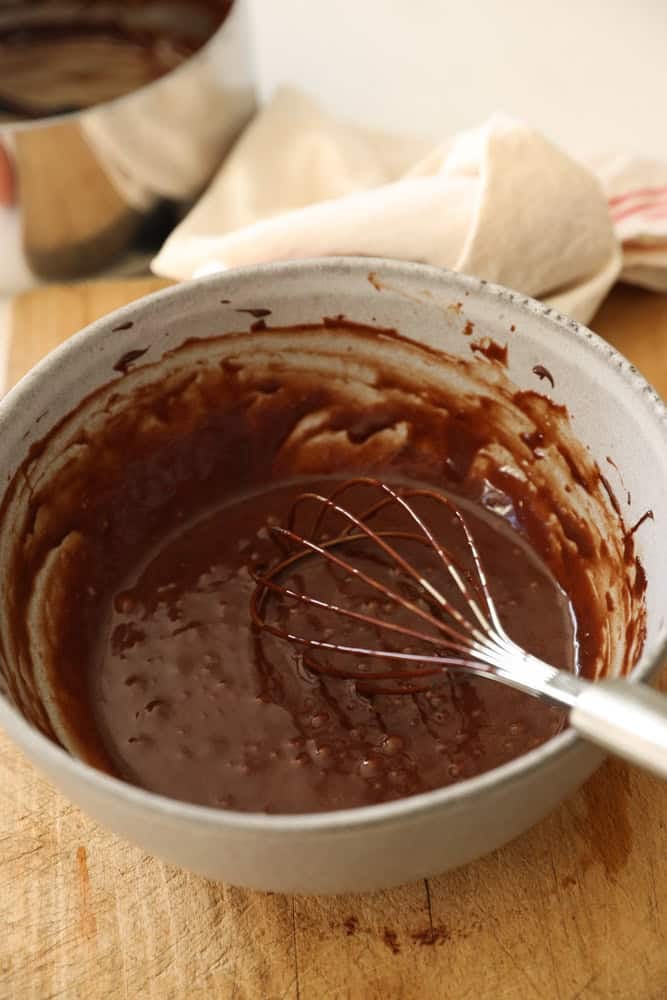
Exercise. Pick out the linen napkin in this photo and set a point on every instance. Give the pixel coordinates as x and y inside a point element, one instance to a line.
<point>499,201</point>
<point>636,189</point>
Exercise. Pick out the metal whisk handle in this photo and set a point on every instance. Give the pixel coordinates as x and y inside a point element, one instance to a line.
<point>629,720</point>
<point>465,634</point>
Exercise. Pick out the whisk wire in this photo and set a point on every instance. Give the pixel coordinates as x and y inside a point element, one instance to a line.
<point>377,585</point>
<point>476,644</point>
<point>444,555</point>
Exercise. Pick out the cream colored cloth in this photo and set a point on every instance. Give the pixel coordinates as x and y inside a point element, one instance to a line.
<point>499,202</point>
<point>637,192</point>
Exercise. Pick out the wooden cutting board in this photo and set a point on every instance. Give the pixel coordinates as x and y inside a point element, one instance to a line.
<point>575,908</point>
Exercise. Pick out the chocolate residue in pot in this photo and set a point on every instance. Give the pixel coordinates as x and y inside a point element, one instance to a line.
<point>259,324</point>
<point>54,66</point>
<point>544,373</point>
<point>374,281</point>
<point>122,326</point>
<point>490,349</point>
<point>257,313</point>
<point>123,364</point>
<point>468,329</point>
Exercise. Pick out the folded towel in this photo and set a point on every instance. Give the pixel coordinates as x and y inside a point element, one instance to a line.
<point>500,202</point>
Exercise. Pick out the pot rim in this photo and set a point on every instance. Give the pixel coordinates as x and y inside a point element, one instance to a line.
<point>56,759</point>
<point>45,121</point>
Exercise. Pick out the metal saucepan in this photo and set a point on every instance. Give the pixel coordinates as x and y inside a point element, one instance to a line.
<point>89,183</point>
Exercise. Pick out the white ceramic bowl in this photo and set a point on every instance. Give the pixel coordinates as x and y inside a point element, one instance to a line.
<point>613,411</point>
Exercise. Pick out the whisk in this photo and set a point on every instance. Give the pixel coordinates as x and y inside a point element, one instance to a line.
<point>453,619</point>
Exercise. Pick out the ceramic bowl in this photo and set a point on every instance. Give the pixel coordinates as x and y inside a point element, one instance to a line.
<point>613,412</point>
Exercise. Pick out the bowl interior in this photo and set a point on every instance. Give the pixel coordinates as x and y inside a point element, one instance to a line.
<point>614,420</point>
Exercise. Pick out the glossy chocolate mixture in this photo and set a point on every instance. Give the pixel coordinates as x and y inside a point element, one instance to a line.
<point>61,57</point>
<point>137,523</point>
<point>193,703</point>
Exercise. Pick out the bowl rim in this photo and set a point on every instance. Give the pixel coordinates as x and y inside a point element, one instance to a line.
<point>56,759</point>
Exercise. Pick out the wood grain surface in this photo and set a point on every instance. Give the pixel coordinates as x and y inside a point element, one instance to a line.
<point>574,909</point>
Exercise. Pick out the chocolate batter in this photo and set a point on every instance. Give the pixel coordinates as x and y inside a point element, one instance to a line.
<point>139,520</point>
<point>58,57</point>
<point>193,703</point>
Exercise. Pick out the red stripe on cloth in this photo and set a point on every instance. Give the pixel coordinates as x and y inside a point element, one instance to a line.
<point>648,192</point>
<point>646,208</point>
<point>659,212</point>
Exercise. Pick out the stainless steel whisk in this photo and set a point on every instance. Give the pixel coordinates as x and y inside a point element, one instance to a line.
<point>628,719</point>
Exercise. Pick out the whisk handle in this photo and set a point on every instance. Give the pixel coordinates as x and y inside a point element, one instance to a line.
<point>629,720</point>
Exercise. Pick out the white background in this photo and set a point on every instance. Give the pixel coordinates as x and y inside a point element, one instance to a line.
<point>591,73</point>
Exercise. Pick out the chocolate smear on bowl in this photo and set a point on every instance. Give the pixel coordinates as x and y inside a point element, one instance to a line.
<point>139,523</point>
